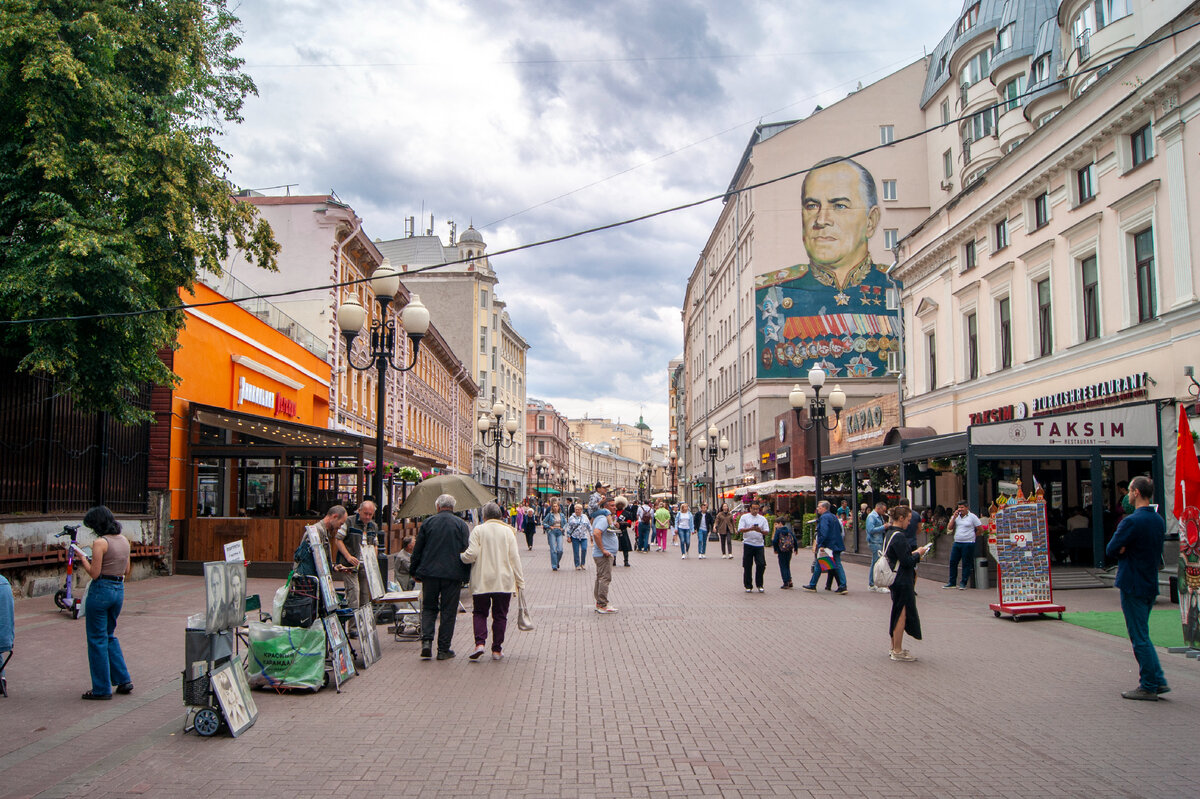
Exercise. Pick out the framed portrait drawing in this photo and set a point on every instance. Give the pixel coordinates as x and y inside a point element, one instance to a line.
<point>233,694</point>
<point>368,636</point>
<point>370,562</point>
<point>224,595</point>
<point>324,572</point>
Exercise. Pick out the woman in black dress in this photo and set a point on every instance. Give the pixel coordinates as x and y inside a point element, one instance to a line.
<point>904,560</point>
<point>626,516</point>
<point>529,523</point>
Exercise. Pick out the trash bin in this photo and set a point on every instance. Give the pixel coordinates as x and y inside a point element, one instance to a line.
<point>981,572</point>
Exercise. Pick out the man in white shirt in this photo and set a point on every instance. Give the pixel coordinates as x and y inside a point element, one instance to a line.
<point>753,528</point>
<point>963,523</point>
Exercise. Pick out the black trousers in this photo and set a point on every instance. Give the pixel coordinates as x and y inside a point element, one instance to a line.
<point>753,556</point>
<point>439,596</point>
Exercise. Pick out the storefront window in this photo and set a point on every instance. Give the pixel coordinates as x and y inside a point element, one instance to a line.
<point>320,483</point>
<point>210,486</point>
<point>257,491</point>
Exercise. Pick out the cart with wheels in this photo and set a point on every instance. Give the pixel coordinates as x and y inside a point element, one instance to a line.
<point>1019,543</point>
<point>204,653</point>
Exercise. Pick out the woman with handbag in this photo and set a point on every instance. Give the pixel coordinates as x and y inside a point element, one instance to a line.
<point>495,576</point>
<point>904,618</point>
<point>724,525</point>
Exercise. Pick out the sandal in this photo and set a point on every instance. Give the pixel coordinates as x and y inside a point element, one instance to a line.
<point>125,688</point>
<point>91,695</point>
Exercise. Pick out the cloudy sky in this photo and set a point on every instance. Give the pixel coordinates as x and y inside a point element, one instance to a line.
<point>535,119</point>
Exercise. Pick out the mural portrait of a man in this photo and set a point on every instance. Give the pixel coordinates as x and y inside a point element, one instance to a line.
<point>840,212</point>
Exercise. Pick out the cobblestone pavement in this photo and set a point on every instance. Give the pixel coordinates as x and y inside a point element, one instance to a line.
<point>695,688</point>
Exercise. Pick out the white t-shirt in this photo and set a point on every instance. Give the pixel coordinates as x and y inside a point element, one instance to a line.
<point>964,528</point>
<point>752,537</point>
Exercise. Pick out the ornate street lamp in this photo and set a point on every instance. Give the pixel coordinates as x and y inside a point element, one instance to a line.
<point>709,446</point>
<point>492,434</point>
<point>817,417</point>
<point>542,470</point>
<point>674,461</point>
<point>385,282</point>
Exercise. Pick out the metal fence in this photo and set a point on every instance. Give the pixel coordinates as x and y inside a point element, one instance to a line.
<point>57,459</point>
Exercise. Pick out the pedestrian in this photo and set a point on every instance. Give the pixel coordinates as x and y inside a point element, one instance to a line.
<point>645,525</point>
<point>683,528</point>
<point>597,499</point>
<point>904,618</point>
<point>495,577</point>
<point>754,528</point>
<point>437,565</point>
<point>662,520</point>
<point>604,544</point>
<point>108,567</point>
<point>554,522</point>
<point>1137,547</point>
<point>402,563</point>
<point>703,524</point>
<point>624,519</point>
<point>962,551</point>
<point>876,521</point>
<point>358,529</point>
<point>529,523</point>
<point>829,536</point>
<point>784,544</point>
<point>724,525</point>
<point>579,530</point>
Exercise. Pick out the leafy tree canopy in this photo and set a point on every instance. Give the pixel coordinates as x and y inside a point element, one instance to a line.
<point>113,192</point>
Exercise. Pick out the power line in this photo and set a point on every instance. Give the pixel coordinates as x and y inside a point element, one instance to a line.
<point>611,225</point>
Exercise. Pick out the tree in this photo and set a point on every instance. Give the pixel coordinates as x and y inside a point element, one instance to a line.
<point>113,192</point>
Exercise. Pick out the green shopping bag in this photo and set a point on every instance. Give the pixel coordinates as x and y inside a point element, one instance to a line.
<point>286,657</point>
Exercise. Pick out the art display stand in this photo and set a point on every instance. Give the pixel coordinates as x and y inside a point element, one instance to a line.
<point>215,689</point>
<point>1019,543</point>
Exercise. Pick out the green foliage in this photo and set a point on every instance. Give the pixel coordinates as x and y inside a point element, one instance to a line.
<point>112,189</point>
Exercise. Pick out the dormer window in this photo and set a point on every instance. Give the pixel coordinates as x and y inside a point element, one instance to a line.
<point>968,20</point>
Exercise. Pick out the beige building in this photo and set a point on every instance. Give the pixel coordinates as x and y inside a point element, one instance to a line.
<point>1060,288</point>
<point>752,325</point>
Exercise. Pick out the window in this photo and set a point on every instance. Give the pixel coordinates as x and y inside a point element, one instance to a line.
<point>1010,93</point>
<point>1004,317</point>
<point>1085,182</point>
<point>1141,145</point>
<point>541,422</point>
<point>967,20</point>
<point>1039,71</point>
<point>1091,298</point>
<point>972,346</point>
<point>931,353</point>
<point>1041,210</point>
<point>889,189</point>
<point>969,258</point>
<point>1044,118</point>
<point>976,69</point>
<point>541,447</point>
<point>891,236</point>
<point>945,112</point>
<point>887,134</point>
<point>1143,257</point>
<point>483,343</point>
<point>483,298</point>
<point>1002,234</point>
<point>1045,318</point>
<point>948,164</point>
<point>1004,38</point>
<point>941,67</point>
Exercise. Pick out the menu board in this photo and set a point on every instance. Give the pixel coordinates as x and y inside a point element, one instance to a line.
<point>1022,552</point>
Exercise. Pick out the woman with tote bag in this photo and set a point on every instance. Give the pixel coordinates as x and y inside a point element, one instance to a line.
<point>495,576</point>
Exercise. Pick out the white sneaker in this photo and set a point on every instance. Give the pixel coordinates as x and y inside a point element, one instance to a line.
<point>684,556</point>
<point>749,590</point>
<point>761,590</point>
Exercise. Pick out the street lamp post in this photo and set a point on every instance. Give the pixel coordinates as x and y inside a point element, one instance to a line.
<point>817,417</point>
<point>709,453</point>
<point>642,483</point>
<point>674,461</point>
<point>542,470</point>
<point>493,436</point>
<point>351,315</point>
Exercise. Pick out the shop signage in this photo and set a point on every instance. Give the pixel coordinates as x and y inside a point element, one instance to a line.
<point>285,406</point>
<point>864,419</point>
<point>248,392</point>
<point>1103,393</point>
<point>1134,426</point>
<point>767,457</point>
<point>1005,413</point>
<point>782,454</point>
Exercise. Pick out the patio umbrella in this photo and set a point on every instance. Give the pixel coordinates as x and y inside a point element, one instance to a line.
<point>464,488</point>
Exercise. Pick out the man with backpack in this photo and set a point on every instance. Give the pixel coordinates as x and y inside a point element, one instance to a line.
<point>829,536</point>
<point>876,521</point>
<point>784,544</point>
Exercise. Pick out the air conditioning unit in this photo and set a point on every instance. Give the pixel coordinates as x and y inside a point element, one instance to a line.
<point>947,185</point>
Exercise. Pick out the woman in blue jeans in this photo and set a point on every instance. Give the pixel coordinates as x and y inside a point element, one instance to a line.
<point>683,527</point>
<point>553,523</point>
<point>579,529</point>
<point>108,568</point>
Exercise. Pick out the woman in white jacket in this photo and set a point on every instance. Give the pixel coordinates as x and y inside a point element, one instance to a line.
<point>495,575</point>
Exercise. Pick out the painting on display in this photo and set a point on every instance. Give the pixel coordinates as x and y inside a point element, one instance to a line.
<point>832,310</point>
<point>370,562</point>
<point>324,573</point>
<point>340,659</point>
<point>233,693</point>
<point>368,636</point>
<point>224,595</point>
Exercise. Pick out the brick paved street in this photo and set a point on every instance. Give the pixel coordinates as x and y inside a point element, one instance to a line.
<point>695,688</point>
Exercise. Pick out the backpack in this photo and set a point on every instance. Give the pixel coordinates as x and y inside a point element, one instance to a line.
<point>300,607</point>
<point>787,541</point>
<point>883,573</point>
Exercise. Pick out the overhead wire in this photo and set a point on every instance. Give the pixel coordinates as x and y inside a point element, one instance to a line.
<point>611,225</point>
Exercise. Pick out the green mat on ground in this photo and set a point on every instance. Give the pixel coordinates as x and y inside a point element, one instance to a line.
<point>1165,627</point>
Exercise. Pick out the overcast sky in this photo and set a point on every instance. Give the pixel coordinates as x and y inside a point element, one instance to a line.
<point>536,119</point>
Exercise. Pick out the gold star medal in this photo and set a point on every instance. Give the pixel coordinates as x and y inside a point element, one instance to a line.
<point>842,298</point>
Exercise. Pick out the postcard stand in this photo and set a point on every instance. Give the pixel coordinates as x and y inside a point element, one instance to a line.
<point>1019,543</point>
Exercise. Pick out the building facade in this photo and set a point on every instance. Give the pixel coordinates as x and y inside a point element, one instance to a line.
<point>548,442</point>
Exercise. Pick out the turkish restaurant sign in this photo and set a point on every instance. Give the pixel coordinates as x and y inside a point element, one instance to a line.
<point>1106,392</point>
<point>1133,426</point>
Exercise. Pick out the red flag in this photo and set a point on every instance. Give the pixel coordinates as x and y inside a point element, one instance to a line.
<point>1187,468</point>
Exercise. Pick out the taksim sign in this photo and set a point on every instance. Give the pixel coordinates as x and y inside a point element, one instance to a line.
<point>1005,413</point>
<point>1133,426</point>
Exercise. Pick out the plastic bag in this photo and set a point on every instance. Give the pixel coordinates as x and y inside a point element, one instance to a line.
<point>289,657</point>
<point>280,597</point>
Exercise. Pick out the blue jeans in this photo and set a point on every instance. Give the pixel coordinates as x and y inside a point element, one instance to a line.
<point>101,609</point>
<point>685,539</point>
<point>964,551</point>
<point>1137,623</point>
<point>556,547</point>
<point>701,541</point>
<point>785,567</point>
<point>876,548</point>
<point>838,570</point>
<point>579,550</point>
<point>643,537</point>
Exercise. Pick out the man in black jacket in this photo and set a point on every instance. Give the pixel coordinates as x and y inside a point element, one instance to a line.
<point>437,566</point>
<point>702,523</point>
